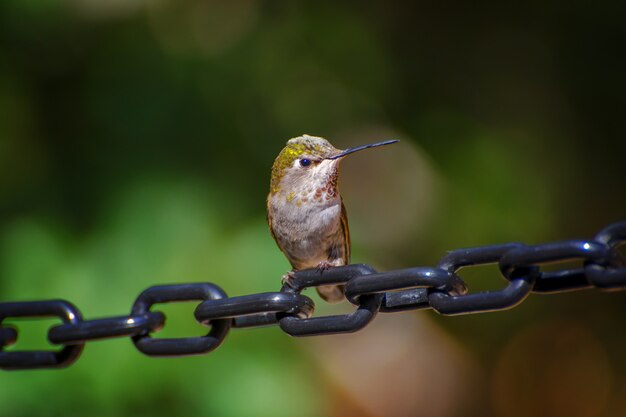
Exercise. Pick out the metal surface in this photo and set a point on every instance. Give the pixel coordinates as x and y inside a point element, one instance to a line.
<point>64,310</point>
<point>439,288</point>
<point>180,345</point>
<point>84,331</point>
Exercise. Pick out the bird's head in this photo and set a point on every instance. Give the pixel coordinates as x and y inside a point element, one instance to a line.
<point>309,159</point>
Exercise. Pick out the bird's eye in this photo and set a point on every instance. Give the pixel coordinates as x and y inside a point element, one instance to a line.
<point>305,162</point>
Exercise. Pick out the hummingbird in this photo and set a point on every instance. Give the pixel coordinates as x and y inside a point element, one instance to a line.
<point>305,211</point>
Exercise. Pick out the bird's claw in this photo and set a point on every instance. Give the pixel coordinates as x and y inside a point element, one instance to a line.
<point>323,266</point>
<point>287,279</point>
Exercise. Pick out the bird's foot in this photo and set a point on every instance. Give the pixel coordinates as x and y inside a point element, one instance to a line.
<point>288,278</point>
<point>323,266</point>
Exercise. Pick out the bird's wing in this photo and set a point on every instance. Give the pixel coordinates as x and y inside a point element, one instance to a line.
<point>346,233</point>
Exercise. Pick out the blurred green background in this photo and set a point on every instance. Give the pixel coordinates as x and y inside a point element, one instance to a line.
<point>136,139</point>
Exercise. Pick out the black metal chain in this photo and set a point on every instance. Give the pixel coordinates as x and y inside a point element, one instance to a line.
<point>438,288</point>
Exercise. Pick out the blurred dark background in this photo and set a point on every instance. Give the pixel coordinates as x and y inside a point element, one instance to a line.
<point>136,139</point>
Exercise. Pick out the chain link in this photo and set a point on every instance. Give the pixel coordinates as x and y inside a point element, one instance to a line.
<point>439,288</point>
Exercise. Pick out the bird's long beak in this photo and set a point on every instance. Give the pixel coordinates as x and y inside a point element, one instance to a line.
<point>360,148</point>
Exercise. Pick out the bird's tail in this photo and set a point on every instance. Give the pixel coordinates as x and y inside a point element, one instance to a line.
<point>331,293</point>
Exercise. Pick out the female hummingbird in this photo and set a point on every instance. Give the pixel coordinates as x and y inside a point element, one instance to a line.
<point>305,211</point>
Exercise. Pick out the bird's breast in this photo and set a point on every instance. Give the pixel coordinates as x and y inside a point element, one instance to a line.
<point>305,231</point>
<point>303,220</point>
